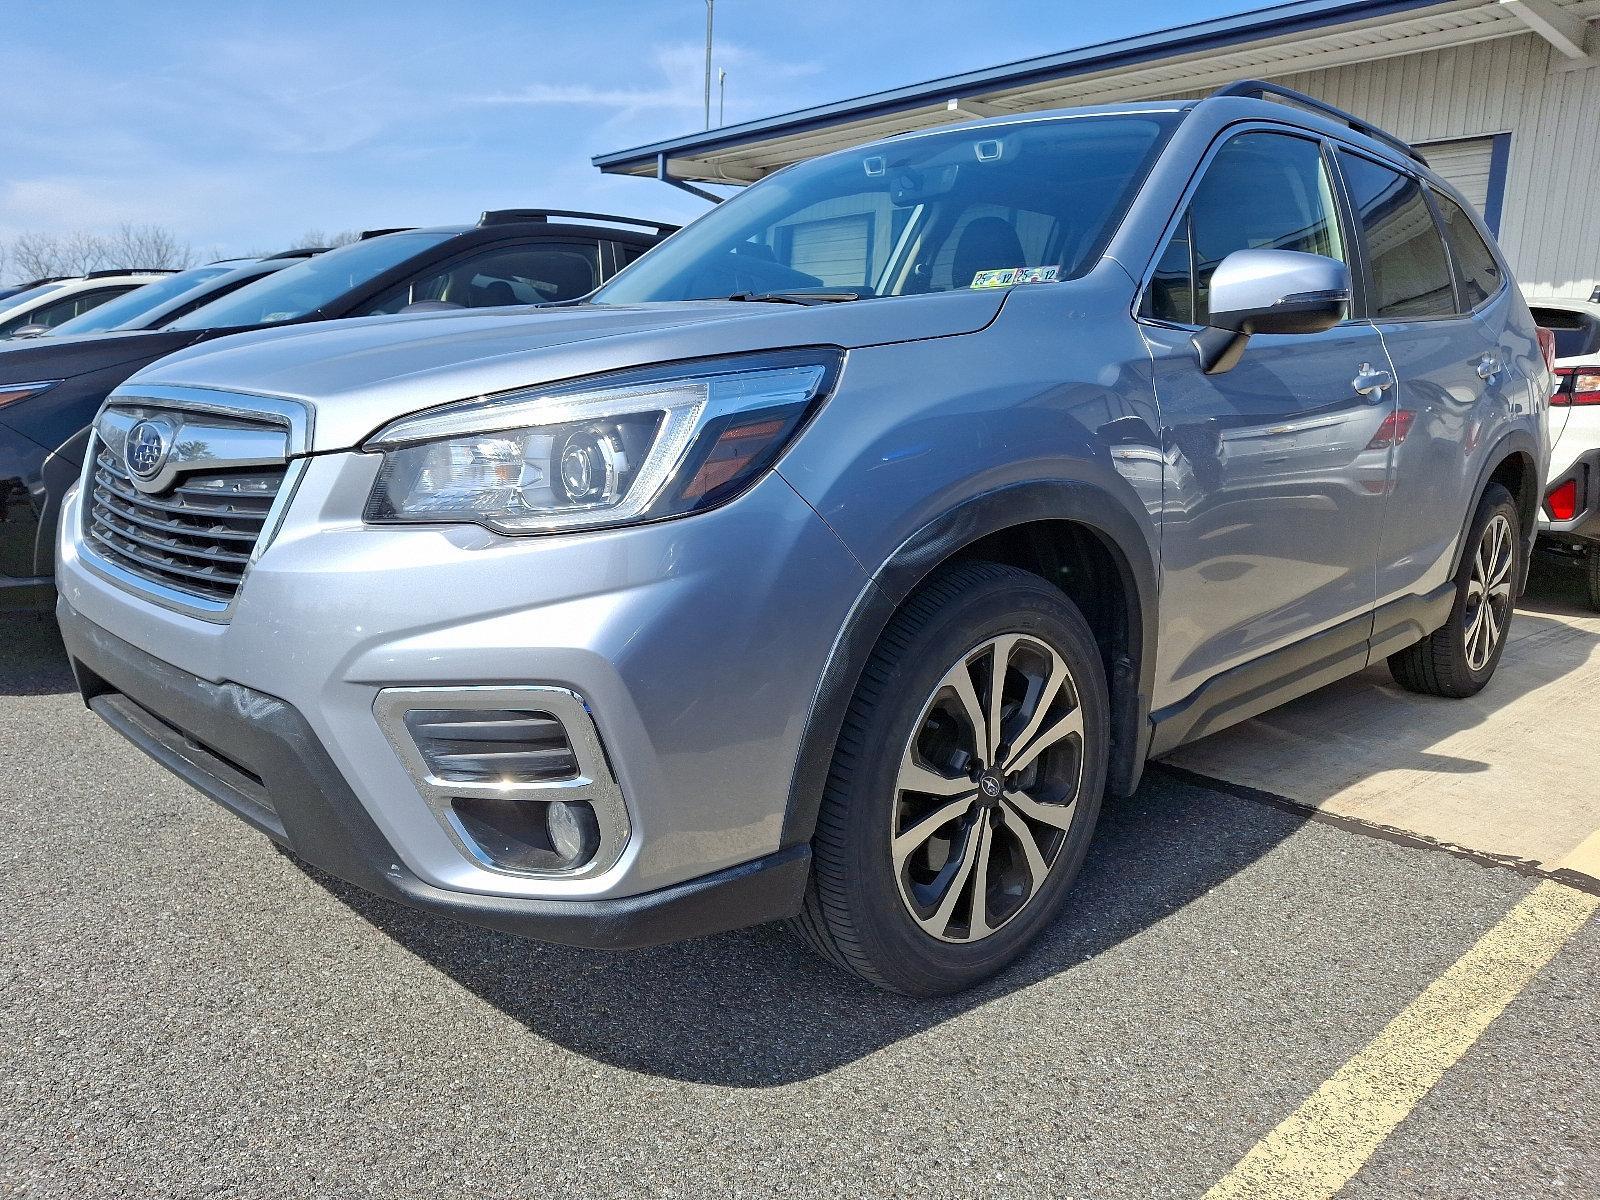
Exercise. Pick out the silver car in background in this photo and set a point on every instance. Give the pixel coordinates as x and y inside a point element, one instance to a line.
<point>834,561</point>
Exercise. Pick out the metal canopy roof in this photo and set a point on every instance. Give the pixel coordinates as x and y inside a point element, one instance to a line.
<point>1173,63</point>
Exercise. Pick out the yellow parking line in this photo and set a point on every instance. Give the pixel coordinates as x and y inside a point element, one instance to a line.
<point>1317,1149</point>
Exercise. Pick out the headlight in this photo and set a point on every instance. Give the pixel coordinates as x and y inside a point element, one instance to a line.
<point>625,448</point>
<point>21,391</point>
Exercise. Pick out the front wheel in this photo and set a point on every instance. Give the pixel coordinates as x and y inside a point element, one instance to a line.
<point>965,786</point>
<point>1459,658</point>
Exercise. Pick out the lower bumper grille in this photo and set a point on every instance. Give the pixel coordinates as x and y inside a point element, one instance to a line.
<point>197,538</point>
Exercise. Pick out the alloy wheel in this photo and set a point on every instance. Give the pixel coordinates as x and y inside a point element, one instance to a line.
<point>1488,607</point>
<point>987,788</point>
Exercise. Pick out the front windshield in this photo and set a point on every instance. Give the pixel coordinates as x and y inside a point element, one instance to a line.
<point>297,291</point>
<point>137,302</point>
<point>937,212</point>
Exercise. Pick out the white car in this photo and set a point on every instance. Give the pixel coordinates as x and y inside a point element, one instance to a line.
<point>50,302</point>
<point>1569,519</point>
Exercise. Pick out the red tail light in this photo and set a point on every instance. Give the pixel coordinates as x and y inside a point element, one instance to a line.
<point>1393,430</point>
<point>1562,502</point>
<point>1576,386</point>
<point>1547,346</point>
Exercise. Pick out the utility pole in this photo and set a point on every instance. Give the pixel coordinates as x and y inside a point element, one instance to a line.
<point>722,98</point>
<point>710,8</point>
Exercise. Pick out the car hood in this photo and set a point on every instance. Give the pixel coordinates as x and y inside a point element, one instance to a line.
<point>64,358</point>
<point>357,375</point>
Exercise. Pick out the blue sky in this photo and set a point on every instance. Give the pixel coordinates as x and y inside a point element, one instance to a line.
<point>242,124</point>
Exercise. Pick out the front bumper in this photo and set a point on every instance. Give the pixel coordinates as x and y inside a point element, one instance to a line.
<point>1584,526</point>
<point>258,757</point>
<point>696,645</point>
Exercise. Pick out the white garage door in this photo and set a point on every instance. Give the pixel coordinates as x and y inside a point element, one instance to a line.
<point>1464,162</point>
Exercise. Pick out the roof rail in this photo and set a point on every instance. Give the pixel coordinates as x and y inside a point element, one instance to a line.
<point>372,233</point>
<point>1259,89</point>
<point>509,216</point>
<point>297,252</point>
<point>106,274</point>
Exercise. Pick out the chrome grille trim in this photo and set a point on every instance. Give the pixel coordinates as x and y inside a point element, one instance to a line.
<point>188,541</point>
<point>173,544</point>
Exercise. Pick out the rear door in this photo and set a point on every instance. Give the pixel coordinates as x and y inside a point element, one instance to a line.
<point>1274,491</point>
<point>1445,352</point>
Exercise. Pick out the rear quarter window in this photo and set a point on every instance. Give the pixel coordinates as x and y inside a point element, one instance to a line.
<point>1477,269</point>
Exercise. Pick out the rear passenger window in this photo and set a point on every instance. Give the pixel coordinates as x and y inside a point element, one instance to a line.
<point>1410,274</point>
<point>1477,271</point>
<point>1261,191</point>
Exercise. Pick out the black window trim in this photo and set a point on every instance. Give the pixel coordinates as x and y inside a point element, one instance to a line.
<point>1224,135</point>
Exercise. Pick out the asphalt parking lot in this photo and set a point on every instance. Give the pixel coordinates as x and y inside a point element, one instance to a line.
<point>185,1012</point>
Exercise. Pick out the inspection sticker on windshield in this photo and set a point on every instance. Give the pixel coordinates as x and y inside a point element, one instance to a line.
<point>1007,276</point>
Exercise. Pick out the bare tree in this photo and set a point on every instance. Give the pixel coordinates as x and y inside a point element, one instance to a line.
<point>316,237</point>
<point>35,255</point>
<point>150,246</point>
<point>40,254</point>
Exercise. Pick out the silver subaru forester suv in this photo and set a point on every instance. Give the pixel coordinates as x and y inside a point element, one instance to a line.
<point>833,562</point>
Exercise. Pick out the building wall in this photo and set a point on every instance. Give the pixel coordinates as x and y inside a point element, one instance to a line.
<point>1550,217</point>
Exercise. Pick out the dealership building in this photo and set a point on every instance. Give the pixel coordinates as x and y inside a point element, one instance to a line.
<point>1502,96</point>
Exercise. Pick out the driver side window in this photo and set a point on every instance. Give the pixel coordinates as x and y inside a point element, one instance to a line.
<point>1262,191</point>
<point>522,273</point>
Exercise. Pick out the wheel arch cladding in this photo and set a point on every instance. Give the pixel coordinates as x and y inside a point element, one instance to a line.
<point>1079,537</point>
<point>1514,464</point>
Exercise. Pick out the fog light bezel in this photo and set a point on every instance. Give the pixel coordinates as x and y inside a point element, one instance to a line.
<point>593,782</point>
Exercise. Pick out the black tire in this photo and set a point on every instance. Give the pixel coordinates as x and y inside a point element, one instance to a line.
<point>855,913</point>
<point>1591,561</point>
<point>1440,664</point>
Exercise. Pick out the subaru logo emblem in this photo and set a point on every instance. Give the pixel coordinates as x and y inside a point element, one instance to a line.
<point>146,449</point>
<point>989,786</point>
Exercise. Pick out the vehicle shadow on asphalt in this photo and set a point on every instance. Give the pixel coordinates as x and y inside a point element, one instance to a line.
<point>1556,587</point>
<point>756,1009</point>
<point>32,660</point>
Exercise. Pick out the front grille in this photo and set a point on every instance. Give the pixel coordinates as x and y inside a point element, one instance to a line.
<point>464,745</point>
<point>196,538</point>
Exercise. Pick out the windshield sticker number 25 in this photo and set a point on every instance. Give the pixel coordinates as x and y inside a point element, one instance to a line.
<point>1007,276</point>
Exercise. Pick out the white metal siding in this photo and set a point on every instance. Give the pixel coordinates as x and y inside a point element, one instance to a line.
<point>1464,162</point>
<point>1550,217</point>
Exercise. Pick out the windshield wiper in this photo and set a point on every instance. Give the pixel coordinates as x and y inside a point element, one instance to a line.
<point>796,297</point>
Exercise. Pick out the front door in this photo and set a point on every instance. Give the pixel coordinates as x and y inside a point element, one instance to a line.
<point>1276,471</point>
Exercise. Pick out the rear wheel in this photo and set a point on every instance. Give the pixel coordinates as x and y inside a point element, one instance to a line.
<point>965,786</point>
<point>1458,659</point>
<point>1591,560</point>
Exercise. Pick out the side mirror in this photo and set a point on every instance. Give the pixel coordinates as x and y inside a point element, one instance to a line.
<point>30,331</point>
<point>1269,291</point>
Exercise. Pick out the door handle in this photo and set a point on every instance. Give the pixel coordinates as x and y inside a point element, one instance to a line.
<point>1371,383</point>
<point>1488,367</point>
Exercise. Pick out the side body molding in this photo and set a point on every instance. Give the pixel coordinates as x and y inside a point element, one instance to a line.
<point>1130,672</point>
